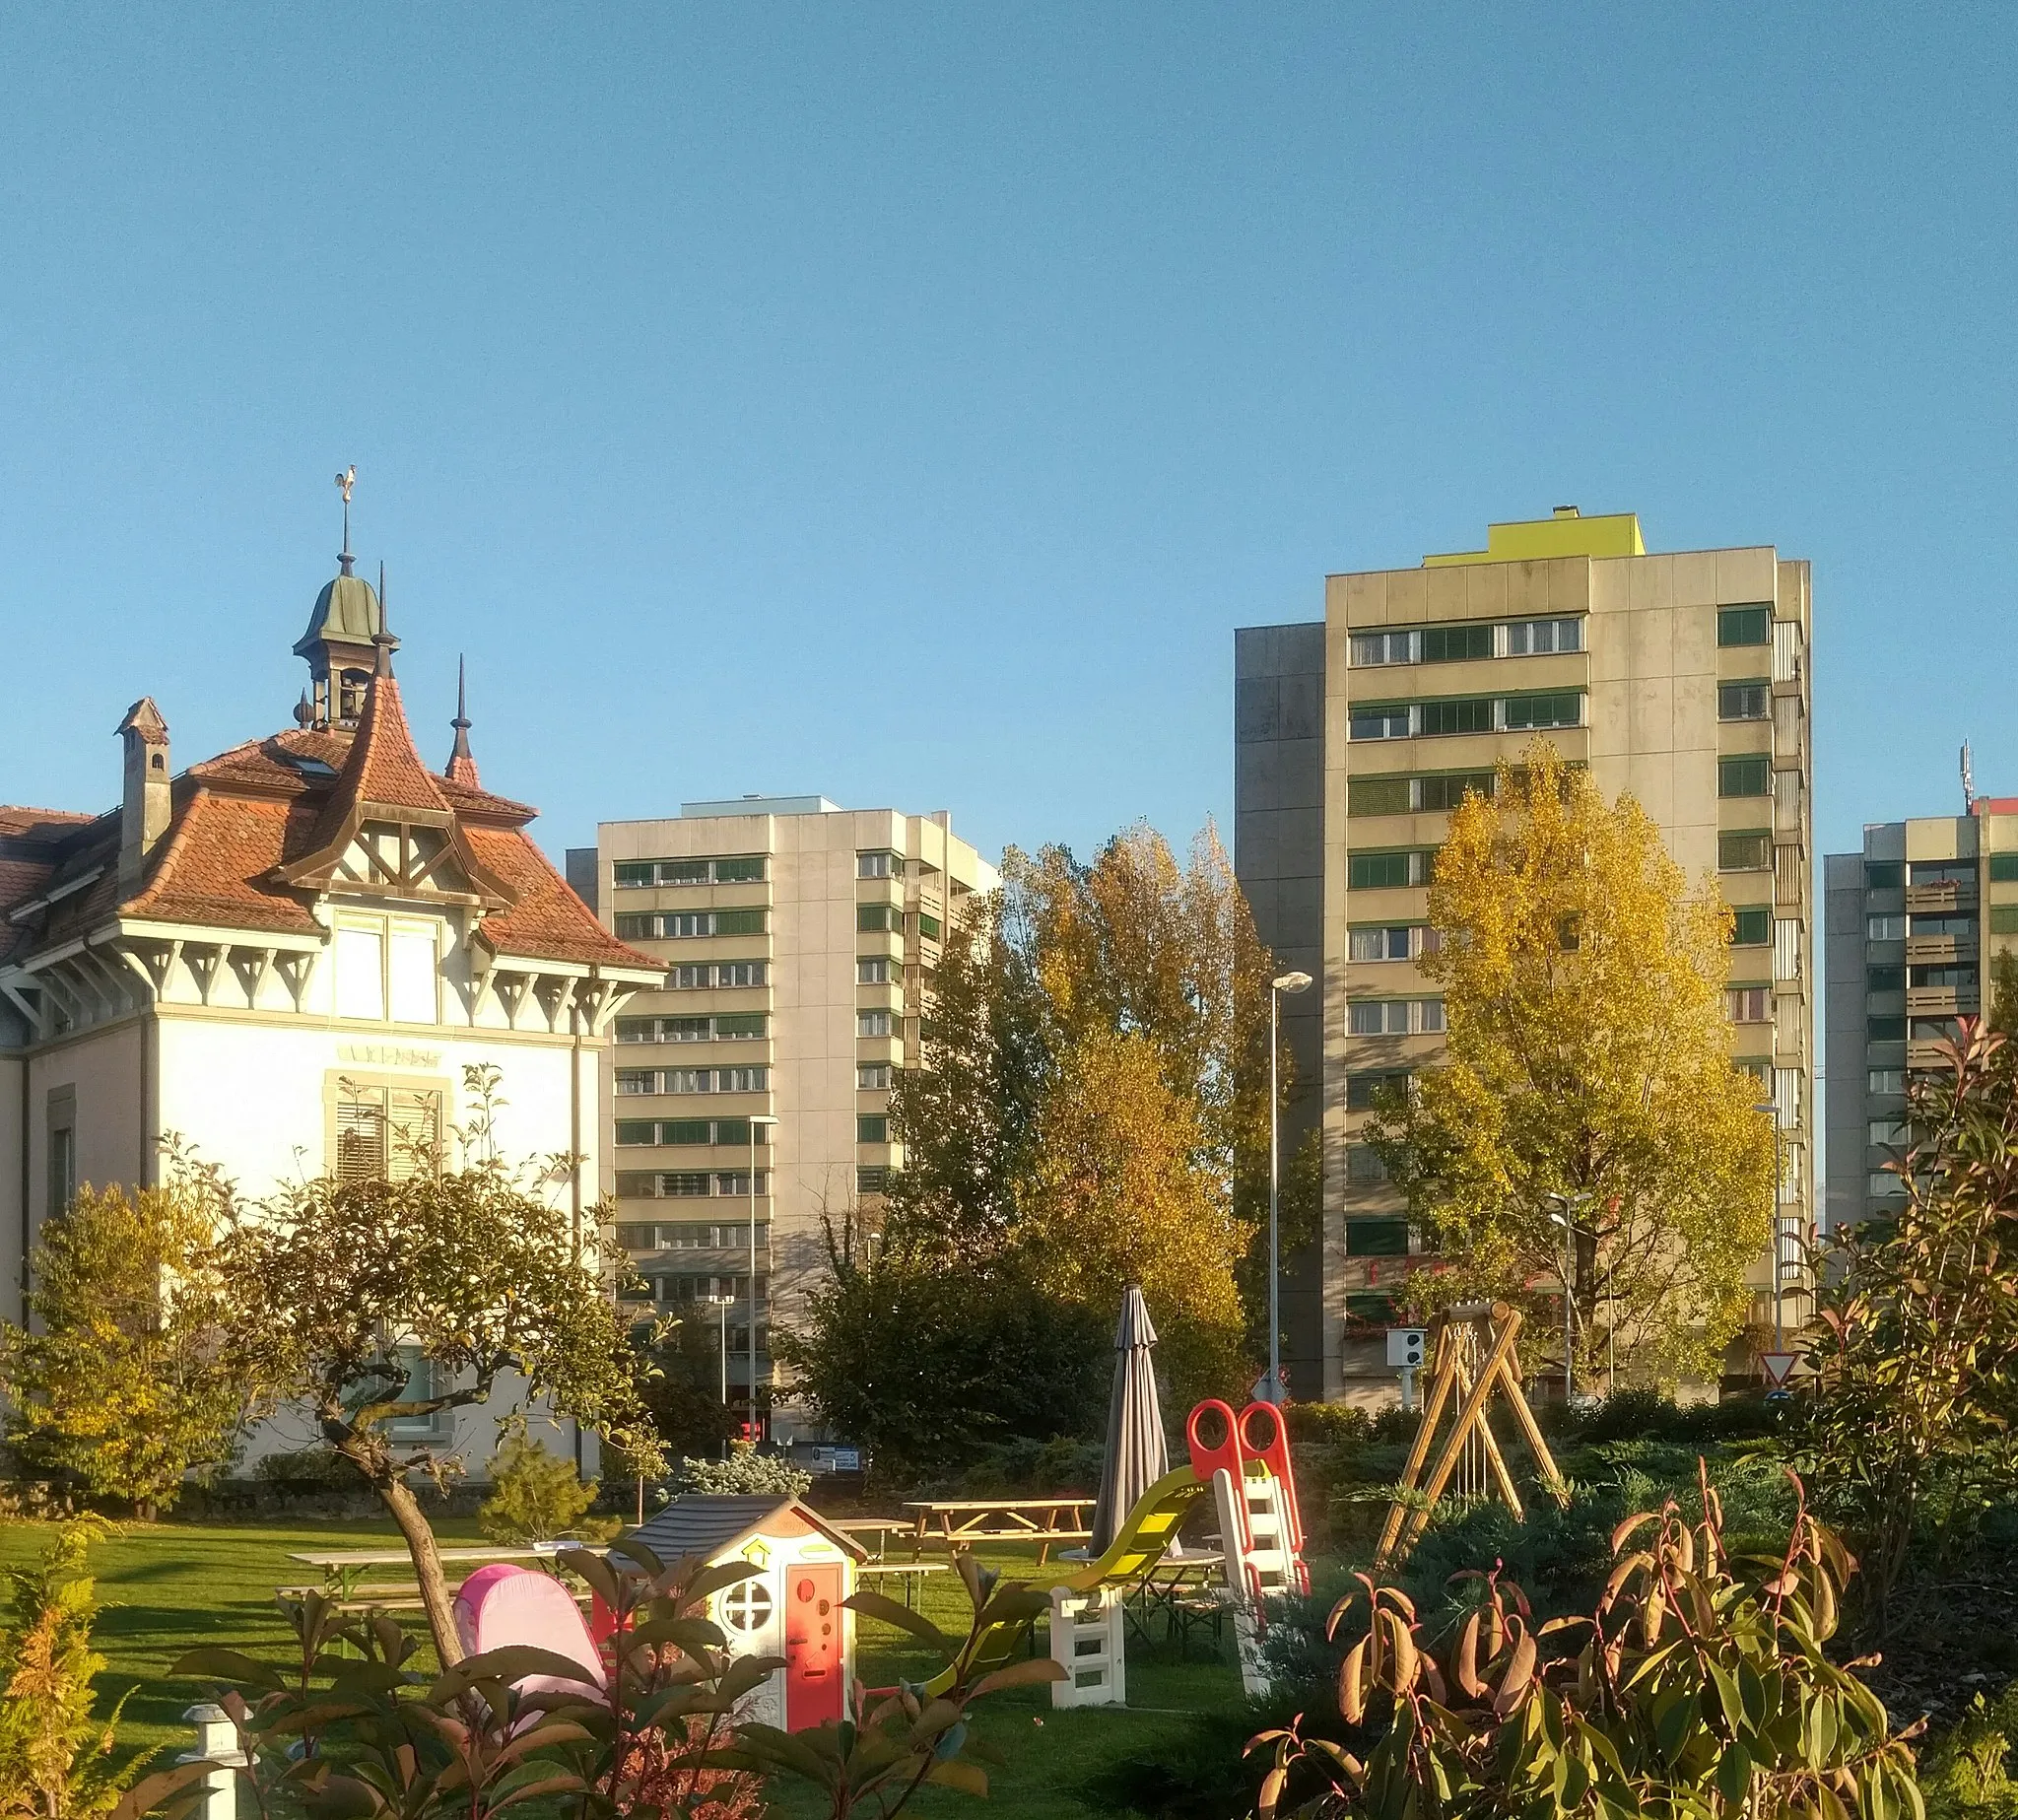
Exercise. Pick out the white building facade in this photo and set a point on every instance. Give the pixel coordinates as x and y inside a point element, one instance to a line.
<point>287,959</point>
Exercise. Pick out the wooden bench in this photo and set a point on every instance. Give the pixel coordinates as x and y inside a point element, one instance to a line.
<point>394,1597</point>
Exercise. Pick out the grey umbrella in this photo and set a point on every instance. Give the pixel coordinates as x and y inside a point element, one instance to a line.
<point>1136,1456</point>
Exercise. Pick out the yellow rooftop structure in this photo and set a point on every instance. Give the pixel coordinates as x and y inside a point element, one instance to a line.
<point>1567,532</point>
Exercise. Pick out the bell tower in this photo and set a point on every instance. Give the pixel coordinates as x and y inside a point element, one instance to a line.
<point>344,630</point>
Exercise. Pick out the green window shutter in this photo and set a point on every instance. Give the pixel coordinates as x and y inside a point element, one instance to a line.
<point>2005,920</point>
<point>634,928</point>
<point>730,1024</point>
<point>635,1132</point>
<point>1455,644</point>
<point>1748,773</point>
<point>874,918</point>
<point>2004,868</point>
<point>1751,625</point>
<point>929,926</point>
<point>1885,1030</point>
<point>1524,712</point>
<point>1377,796</point>
<point>733,1131</point>
<point>634,873</point>
<point>1753,927</point>
<point>739,922</point>
<point>739,871</point>
<point>685,1131</point>
<point>872,1128</point>
<point>1447,793</point>
<point>1376,1238</point>
<point>1377,872</point>
<point>1363,1165</point>
<point>1744,853</point>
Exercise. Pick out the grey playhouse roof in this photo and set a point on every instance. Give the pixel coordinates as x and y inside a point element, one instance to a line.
<point>710,1523</point>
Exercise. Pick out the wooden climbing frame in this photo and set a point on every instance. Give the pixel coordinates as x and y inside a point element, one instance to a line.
<point>1474,1354</point>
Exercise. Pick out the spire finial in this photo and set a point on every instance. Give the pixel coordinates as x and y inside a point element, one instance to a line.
<point>305,713</point>
<point>383,638</point>
<point>462,764</point>
<point>344,483</point>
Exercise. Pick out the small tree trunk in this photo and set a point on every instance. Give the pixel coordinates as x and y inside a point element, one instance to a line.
<point>413,1524</point>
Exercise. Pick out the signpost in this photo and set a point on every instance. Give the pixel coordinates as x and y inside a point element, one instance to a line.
<point>1777,1366</point>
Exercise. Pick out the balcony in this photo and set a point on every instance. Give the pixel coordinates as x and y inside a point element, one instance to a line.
<point>1939,1001</point>
<point>1949,896</point>
<point>1935,950</point>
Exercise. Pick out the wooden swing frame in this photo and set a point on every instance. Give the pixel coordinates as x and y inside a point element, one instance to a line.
<point>1409,1515</point>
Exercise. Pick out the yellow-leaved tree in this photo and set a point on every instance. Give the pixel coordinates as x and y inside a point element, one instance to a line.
<point>1587,1074</point>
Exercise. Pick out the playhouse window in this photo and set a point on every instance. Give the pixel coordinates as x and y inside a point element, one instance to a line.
<point>746,1606</point>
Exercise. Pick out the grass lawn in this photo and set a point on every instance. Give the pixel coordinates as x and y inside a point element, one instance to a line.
<point>169,1588</point>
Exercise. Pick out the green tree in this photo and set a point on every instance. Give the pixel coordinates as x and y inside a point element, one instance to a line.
<point>1587,1066</point>
<point>681,1385</point>
<point>336,1292</point>
<point>1914,1409</point>
<point>537,1495</point>
<point>117,1377</point>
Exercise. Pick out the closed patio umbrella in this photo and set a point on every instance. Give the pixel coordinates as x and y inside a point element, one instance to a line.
<point>1136,1456</point>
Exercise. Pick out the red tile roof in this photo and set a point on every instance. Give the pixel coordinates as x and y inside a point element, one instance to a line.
<point>546,921</point>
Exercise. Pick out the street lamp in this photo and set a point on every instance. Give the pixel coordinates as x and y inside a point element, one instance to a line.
<point>721,1305</point>
<point>1283,983</point>
<point>757,1120</point>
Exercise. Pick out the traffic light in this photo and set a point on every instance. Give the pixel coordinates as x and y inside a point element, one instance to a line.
<point>1406,1346</point>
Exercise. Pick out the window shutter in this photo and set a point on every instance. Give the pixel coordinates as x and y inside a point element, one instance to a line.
<point>414,1149</point>
<point>361,1136</point>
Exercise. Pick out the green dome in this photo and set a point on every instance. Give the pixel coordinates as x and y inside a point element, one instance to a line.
<point>347,612</point>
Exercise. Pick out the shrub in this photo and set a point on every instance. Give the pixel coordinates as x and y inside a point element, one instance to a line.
<point>309,1469</point>
<point>536,1496</point>
<point>1328,1424</point>
<point>745,1470</point>
<point>1027,1465</point>
<point>1702,1687</point>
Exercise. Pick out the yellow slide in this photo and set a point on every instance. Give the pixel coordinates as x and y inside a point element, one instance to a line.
<point>1138,1546</point>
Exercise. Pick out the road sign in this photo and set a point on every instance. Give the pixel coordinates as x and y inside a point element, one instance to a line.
<point>1778,1365</point>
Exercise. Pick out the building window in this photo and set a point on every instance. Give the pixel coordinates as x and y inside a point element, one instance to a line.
<point>1890,1130</point>
<point>688,1131</point>
<point>1447,790</point>
<point>872,1076</point>
<point>422,1381</point>
<point>1402,943</point>
<point>928,926</point>
<point>1370,1309</point>
<point>877,918</point>
<point>1940,872</point>
<point>1951,978</point>
<point>739,870</point>
<point>413,973</point>
<point>724,1026</point>
<point>1882,1185</point>
<point>1363,1166</point>
<point>872,1179</point>
<point>1394,1017</point>
<point>1883,875</point>
<point>1885,1080</point>
<point>1377,796</point>
<point>360,971</point>
<point>1884,980</point>
<point>1379,723</point>
<point>1543,710</point>
<point>1377,647</point>
<point>684,926</point>
<point>872,1024</point>
<point>1962,926</point>
<point>1364,1088</point>
<point>1933,1030</point>
<point>693,1236</point>
<point>1885,1030</point>
<point>1440,719</point>
<point>1752,927</point>
<point>878,864</point>
<point>1742,701</point>
<point>1890,927</point>
<point>1746,774</point>
<point>2005,920</point>
<point>1749,624</point>
<point>1749,1004</point>
<point>1376,1238</point>
<point>699,975</point>
<point>1744,853</point>
<point>874,969</point>
<point>1455,643</point>
<point>1396,870</point>
<point>2004,868</point>
<point>872,1128</point>
<point>63,1165</point>
<point>386,1133</point>
<point>1430,1016</point>
<point>1537,638</point>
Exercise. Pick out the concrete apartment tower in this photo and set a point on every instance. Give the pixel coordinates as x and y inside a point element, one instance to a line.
<point>1914,925</point>
<point>800,942</point>
<point>1683,678</point>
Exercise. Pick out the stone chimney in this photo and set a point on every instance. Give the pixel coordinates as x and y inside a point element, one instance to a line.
<point>144,809</point>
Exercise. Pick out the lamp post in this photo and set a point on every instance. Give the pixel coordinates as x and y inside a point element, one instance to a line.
<point>721,1305</point>
<point>757,1120</point>
<point>1283,983</point>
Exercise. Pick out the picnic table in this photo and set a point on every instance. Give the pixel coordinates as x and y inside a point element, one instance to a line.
<point>907,1574</point>
<point>1062,1517</point>
<point>347,1574</point>
<point>879,1528</point>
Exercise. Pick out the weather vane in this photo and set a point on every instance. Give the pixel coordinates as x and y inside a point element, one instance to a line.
<point>344,483</point>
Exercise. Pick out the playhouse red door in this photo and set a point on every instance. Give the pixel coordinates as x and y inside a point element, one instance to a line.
<point>813,1691</point>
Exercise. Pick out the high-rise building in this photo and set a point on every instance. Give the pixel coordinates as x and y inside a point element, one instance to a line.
<point>1914,924</point>
<point>800,942</point>
<point>1682,678</point>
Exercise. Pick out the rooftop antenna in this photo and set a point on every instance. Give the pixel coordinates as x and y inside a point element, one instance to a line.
<point>1968,781</point>
<point>344,483</point>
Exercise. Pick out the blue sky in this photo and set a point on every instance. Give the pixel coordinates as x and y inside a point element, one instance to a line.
<point>906,403</point>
